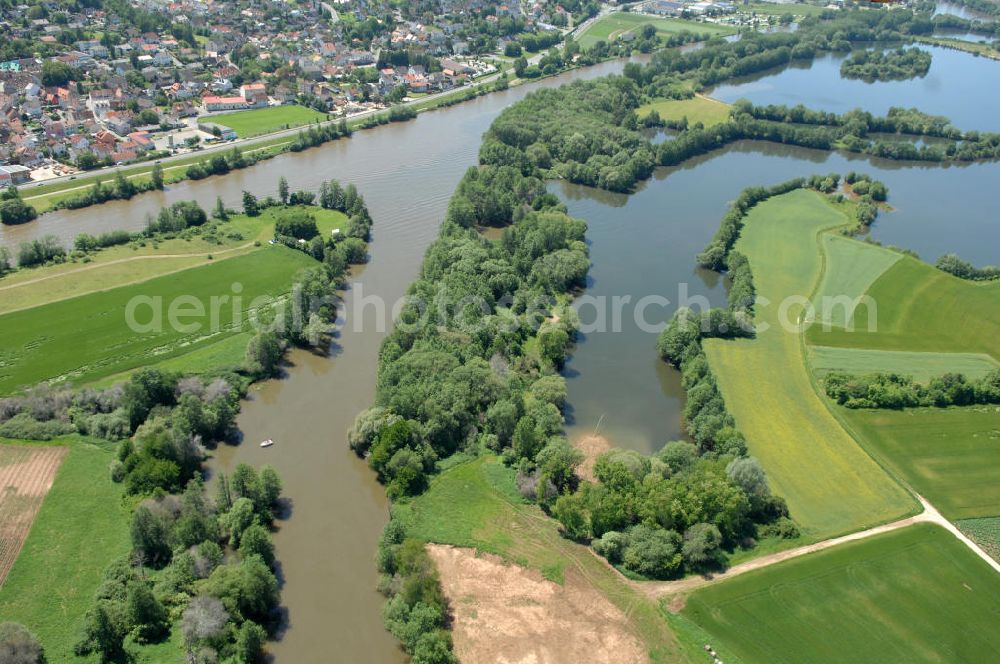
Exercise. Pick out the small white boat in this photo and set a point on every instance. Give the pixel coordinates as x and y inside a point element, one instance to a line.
<point>267,443</point>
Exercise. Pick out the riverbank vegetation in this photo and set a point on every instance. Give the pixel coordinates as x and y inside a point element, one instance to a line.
<point>896,65</point>
<point>804,603</point>
<point>199,576</point>
<point>952,264</point>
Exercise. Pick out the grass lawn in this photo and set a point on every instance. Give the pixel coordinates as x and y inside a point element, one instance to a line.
<point>475,504</point>
<point>697,109</point>
<point>948,455</point>
<point>267,120</point>
<point>145,259</point>
<point>85,338</point>
<point>608,28</point>
<point>866,601</point>
<point>921,308</point>
<point>832,486</point>
<point>985,532</point>
<point>922,366</point>
<point>81,527</point>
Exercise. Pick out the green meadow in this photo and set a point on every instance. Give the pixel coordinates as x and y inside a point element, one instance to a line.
<point>921,308</point>
<point>867,601</point>
<point>475,504</point>
<point>610,27</point>
<point>851,268</point>
<point>921,365</point>
<point>81,527</point>
<point>707,111</point>
<point>267,120</point>
<point>831,484</point>
<point>948,455</point>
<point>85,338</point>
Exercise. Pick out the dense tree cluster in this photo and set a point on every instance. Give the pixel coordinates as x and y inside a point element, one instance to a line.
<point>586,132</point>
<point>86,243</point>
<point>679,510</point>
<point>177,217</point>
<point>215,562</point>
<point>13,210</point>
<point>417,612</point>
<point>473,357</point>
<point>952,264</point>
<point>895,65</point>
<point>892,390</point>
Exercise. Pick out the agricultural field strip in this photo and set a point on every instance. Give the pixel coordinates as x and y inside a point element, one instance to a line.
<point>101,317</point>
<point>26,475</point>
<point>922,365</point>
<point>850,270</point>
<point>97,266</point>
<point>928,515</point>
<point>866,601</point>
<point>832,485</point>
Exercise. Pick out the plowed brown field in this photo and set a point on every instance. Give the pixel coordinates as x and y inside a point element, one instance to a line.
<point>26,475</point>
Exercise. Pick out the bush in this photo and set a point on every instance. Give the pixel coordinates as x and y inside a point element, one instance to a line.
<point>296,223</point>
<point>19,646</point>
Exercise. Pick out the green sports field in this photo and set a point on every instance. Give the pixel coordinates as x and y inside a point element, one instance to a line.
<point>610,27</point>
<point>948,455</point>
<point>85,338</point>
<point>921,308</point>
<point>81,527</point>
<point>267,120</point>
<point>831,484</point>
<point>868,601</point>
<point>921,365</point>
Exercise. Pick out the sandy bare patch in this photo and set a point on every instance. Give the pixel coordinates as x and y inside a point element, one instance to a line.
<point>506,614</point>
<point>26,475</point>
<point>592,447</point>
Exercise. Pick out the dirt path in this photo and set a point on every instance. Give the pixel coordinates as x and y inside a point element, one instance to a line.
<point>592,447</point>
<point>657,589</point>
<point>95,266</point>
